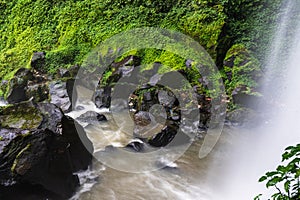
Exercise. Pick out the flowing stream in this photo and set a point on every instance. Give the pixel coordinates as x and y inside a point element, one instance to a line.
<point>231,171</point>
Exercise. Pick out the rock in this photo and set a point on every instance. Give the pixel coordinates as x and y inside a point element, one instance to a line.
<point>102,97</point>
<point>244,117</point>
<point>59,95</point>
<point>81,148</point>
<point>38,61</point>
<point>39,92</point>
<point>71,93</point>
<point>21,116</point>
<point>241,97</point>
<point>40,157</point>
<point>79,107</point>
<point>142,118</point>
<point>166,98</point>
<point>188,63</point>
<point>124,68</point>
<point>137,146</point>
<point>63,73</point>
<point>41,146</point>
<point>164,137</point>
<point>27,84</point>
<point>17,86</point>
<point>91,117</point>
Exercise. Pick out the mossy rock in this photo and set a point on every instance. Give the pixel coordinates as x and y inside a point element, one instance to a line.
<point>241,70</point>
<point>22,116</point>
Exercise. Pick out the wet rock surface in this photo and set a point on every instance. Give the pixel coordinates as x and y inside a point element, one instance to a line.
<point>91,117</point>
<point>41,147</point>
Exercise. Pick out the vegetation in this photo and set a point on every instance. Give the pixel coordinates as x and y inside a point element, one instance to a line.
<point>68,30</point>
<point>286,178</point>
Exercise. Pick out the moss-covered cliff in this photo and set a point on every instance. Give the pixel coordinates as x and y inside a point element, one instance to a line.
<point>68,30</point>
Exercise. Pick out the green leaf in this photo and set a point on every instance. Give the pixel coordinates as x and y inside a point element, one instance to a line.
<point>263,178</point>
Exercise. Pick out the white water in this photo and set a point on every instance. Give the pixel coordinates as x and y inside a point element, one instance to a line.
<point>260,150</point>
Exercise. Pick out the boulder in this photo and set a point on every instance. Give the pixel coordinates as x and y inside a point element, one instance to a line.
<point>91,117</point>
<point>38,61</point>
<point>17,86</point>
<point>27,84</point>
<point>40,146</point>
<point>244,117</point>
<point>59,95</point>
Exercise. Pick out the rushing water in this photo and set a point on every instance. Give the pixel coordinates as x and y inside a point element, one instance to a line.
<point>260,151</point>
<point>187,178</point>
<point>232,169</point>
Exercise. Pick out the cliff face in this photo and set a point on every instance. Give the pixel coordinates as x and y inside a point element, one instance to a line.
<point>67,30</point>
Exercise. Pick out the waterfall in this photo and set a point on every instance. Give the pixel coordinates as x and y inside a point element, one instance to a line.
<point>259,150</point>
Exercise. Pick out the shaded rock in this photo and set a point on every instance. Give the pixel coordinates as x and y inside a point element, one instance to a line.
<point>70,91</point>
<point>124,68</point>
<point>17,86</point>
<point>39,92</point>
<point>27,84</point>
<point>63,73</point>
<point>45,149</point>
<point>59,95</point>
<point>91,117</point>
<point>81,148</point>
<point>27,192</point>
<point>244,117</point>
<point>40,157</point>
<point>164,137</point>
<point>136,146</point>
<point>20,116</point>
<point>38,61</point>
<point>142,118</point>
<point>102,97</point>
<point>241,96</point>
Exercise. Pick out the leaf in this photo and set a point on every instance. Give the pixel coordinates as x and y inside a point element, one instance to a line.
<point>263,178</point>
<point>287,186</point>
<point>273,181</point>
<point>270,174</point>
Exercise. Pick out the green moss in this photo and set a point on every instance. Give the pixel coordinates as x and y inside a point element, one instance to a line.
<point>241,69</point>
<point>13,167</point>
<point>23,116</point>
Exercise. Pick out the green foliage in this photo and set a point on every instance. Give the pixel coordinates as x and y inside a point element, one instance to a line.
<point>285,178</point>
<point>241,69</point>
<point>68,30</point>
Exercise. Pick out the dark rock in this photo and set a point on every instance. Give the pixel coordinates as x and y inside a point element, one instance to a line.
<point>40,157</point>
<point>26,191</point>
<point>241,97</point>
<point>137,146</point>
<point>38,61</point>
<point>72,94</point>
<point>63,73</point>
<point>39,92</point>
<point>40,146</point>
<point>102,97</point>
<point>81,148</point>
<point>244,117</point>
<point>91,117</point>
<point>17,86</point>
<point>164,137</point>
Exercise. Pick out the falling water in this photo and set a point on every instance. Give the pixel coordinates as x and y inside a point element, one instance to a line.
<point>259,150</point>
